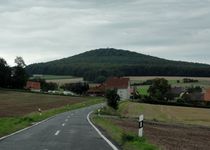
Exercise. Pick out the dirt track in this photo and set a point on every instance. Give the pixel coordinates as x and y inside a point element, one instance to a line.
<point>171,137</point>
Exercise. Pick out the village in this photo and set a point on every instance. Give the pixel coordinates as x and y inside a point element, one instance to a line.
<point>131,89</point>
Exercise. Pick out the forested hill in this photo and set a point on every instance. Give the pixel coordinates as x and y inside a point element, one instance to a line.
<point>100,63</point>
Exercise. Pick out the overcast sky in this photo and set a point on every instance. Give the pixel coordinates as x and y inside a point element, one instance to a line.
<point>43,30</point>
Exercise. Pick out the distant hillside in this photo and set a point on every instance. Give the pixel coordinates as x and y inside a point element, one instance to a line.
<point>101,63</point>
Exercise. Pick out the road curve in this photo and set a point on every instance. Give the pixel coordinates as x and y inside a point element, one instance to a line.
<point>67,131</point>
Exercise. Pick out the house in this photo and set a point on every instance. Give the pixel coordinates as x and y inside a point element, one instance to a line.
<point>197,96</point>
<point>176,91</point>
<point>33,86</point>
<point>207,95</point>
<point>97,90</point>
<point>121,84</point>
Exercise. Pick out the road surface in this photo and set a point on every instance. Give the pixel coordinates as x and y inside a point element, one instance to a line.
<point>67,131</point>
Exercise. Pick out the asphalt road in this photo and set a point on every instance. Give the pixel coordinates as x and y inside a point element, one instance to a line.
<point>67,131</point>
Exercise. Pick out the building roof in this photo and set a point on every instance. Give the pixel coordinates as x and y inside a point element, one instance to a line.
<point>207,95</point>
<point>100,88</point>
<point>118,83</point>
<point>177,90</point>
<point>33,85</point>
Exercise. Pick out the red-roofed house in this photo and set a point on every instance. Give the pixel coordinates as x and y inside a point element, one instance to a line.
<point>121,84</point>
<point>207,95</point>
<point>33,86</point>
<point>97,90</point>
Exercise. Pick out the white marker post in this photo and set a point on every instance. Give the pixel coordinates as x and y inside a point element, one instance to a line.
<point>141,124</point>
<point>99,110</point>
<point>40,111</point>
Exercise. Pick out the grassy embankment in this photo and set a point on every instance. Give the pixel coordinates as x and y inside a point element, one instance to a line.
<point>168,114</point>
<point>127,140</point>
<point>9,124</point>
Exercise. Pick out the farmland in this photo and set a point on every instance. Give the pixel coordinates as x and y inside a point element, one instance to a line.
<point>142,89</point>
<point>52,77</point>
<point>60,80</point>
<point>19,109</point>
<point>167,136</point>
<point>20,103</point>
<point>169,114</point>
<point>168,127</point>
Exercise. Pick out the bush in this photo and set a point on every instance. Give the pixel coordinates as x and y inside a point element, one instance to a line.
<point>112,98</point>
<point>78,88</point>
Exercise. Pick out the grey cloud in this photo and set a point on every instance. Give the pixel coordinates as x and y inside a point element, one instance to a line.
<point>50,29</point>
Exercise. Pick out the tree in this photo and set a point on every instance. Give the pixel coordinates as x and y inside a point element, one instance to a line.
<point>5,74</point>
<point>78,88</point>
<point>20,62</point>
<point>19,75</point>
<point>112,98</point>
<point>100,79</point>
<point>160,90</point>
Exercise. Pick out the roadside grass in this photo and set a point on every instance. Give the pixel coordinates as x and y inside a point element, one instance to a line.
<point>169,114</point>
<point>11,124</point>
<point>126,139</point>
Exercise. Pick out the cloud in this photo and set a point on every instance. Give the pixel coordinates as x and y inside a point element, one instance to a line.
<point>50,29</point>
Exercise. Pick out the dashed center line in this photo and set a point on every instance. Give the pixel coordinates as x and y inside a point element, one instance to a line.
<point>57,132</point>
<point>63,124</point>
<point>66,120</point>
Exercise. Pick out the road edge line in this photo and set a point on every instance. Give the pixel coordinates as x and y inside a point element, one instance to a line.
<point>24,129</point>
<point>99,132</point>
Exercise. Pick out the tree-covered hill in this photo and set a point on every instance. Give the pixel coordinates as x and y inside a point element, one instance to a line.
<point>100,63</point>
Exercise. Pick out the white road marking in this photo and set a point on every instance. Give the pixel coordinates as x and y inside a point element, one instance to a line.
<point>99,132</point>
<point>63,124</point>
<point>57,132</point>
<point>67,120</point>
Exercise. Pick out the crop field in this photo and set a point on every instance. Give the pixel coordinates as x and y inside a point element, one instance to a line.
<point>168,127</point>
<point>169,114</point>
<point>169,136</point>
<point>54,77</point>
<point>64,81</point>
<point>20,103</point>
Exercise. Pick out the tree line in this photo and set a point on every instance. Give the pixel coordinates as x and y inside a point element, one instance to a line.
<point>13,77</point>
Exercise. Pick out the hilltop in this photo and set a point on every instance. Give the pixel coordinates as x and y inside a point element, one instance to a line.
<point>105,62</point>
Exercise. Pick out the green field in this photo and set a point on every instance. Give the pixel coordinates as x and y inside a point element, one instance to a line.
<point>169,114</point>
<point>143,89</point>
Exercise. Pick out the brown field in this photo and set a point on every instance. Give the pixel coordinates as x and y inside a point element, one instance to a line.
<point>64,81</point>
<point>170,136</point>
<point>20,103</point>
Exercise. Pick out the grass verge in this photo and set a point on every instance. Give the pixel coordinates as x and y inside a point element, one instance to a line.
<point>11,124</point>
<point>126,139</point>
